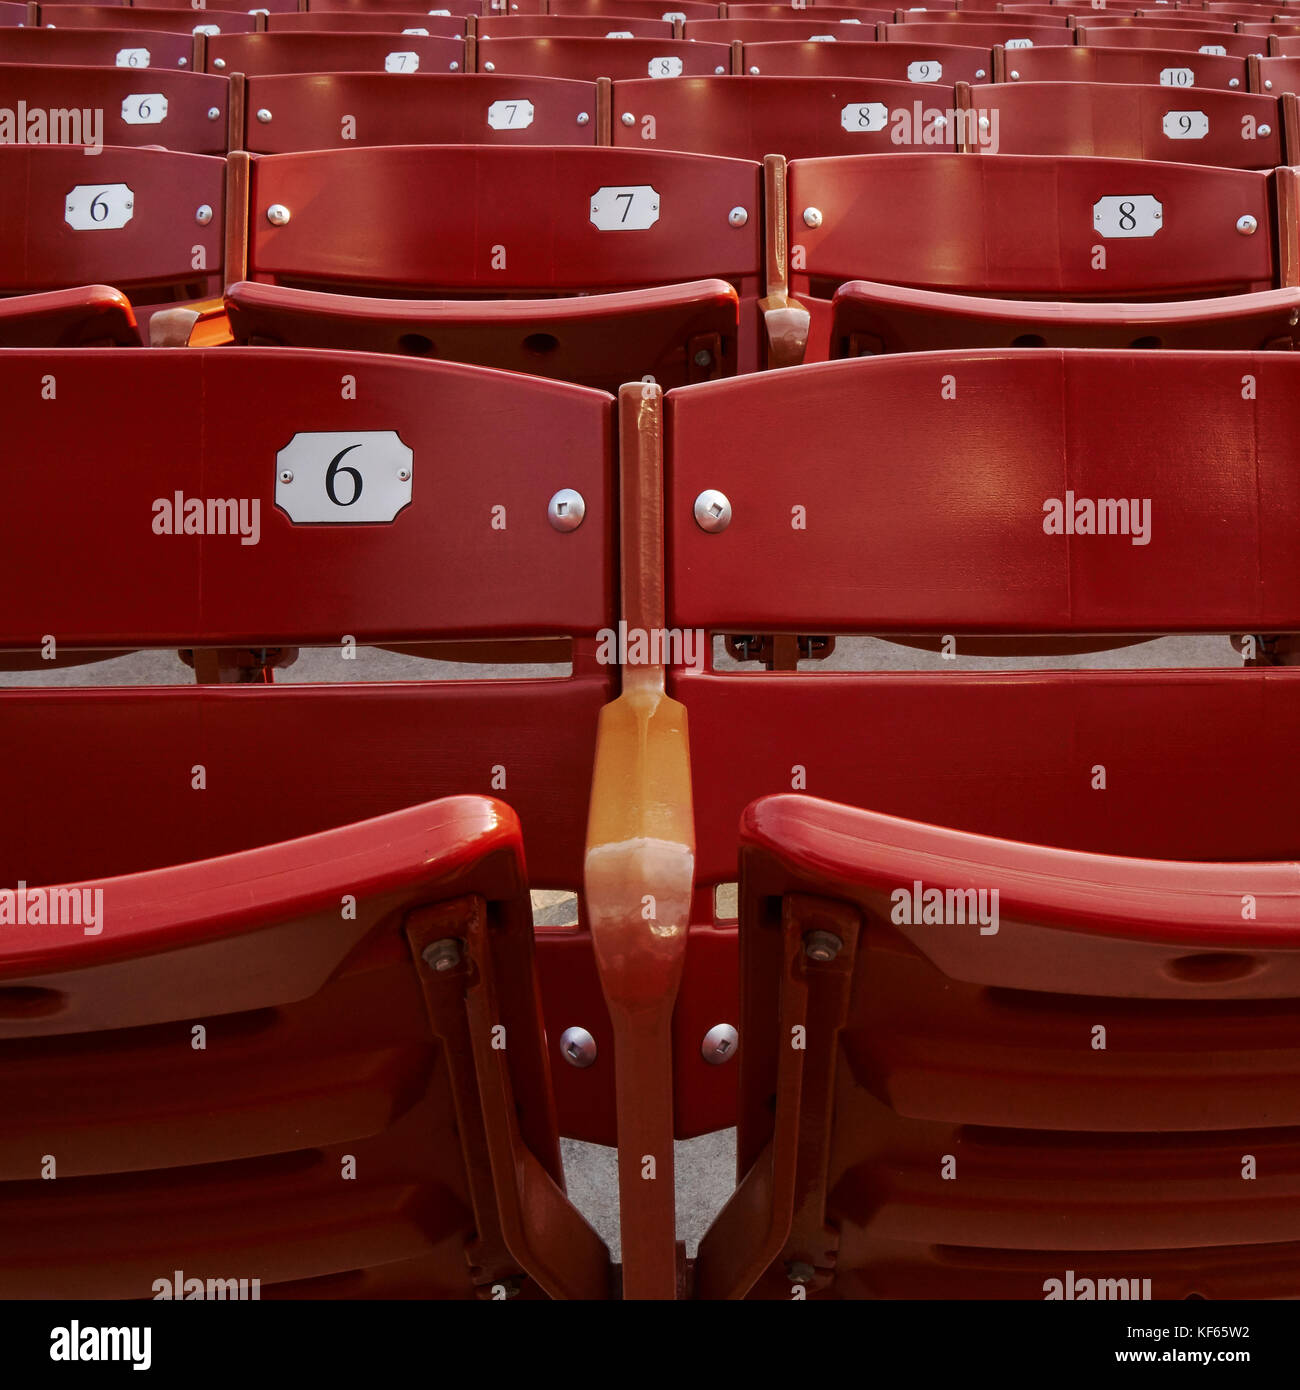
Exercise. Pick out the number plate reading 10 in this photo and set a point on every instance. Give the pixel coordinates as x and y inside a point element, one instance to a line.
<point>1177,77</point>
<point>510,115</point>
<point>865,116</point>
<point>1186,125</point>
<point>343,476</point>
<point>145,108</point>
<point>99,207</point>
<point>630,209</point>
<point>1134,216</point>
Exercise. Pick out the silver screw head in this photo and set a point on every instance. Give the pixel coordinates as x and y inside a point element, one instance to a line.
<point>1015,76</point>
<point>489,67</point>
<point>738,217</point>
<point>454,66</point>
<point>822,946</point>
<point>578,1047</point>
<point>286,475</point>
<point>442,955</point>
<point>214,113</point>
<point>566,509</point>
<point>1236,82</point>
<point>720,1044</point>
<point>584,118</point>
<point>203,214</point>
<point>216,62</point>
<point>628,118</point>
<point>712,510</point>
<point>812,217</point>
<point>263,115</point>
<point>753,72</point>
<point>277,214</point>
<point>403,475</point>
<point>1247,225</point>
<point>1265,131</point>
<point>979,72</point>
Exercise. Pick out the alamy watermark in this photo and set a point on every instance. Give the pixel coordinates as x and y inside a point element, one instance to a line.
<point>53,907</point>
<point>52,125</point>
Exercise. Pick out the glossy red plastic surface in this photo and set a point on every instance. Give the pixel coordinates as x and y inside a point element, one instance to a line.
<point>254,54</point>
<point>88,316</point>
<point>588,59</point>
<point>939,63</point>
<point>162,21</point>
<point>1098,64</point>
<point>98,47</point>
<point>1192,41</point>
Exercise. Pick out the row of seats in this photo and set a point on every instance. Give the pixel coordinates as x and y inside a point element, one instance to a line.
<point>735,117</point>
<point>1090,1065</point>
<point>673,266</point>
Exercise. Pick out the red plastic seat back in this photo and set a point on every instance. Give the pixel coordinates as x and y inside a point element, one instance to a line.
<point>1004,30</point>
<point>123,48</point>
<point>1165,66</point>
<point>921,62</point>
<point>808,26</point>
<point>253,54</point>
<point>1207,41</point>
<point>162,21</point>
<point>588,59</point>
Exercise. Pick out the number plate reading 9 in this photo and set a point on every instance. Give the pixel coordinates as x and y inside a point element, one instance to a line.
<point>1186,125</point>
<point>929,71</point>
<point>1138,215</point>
<point>99,207</point>
<point>344,476</point>
<point>630,209</point>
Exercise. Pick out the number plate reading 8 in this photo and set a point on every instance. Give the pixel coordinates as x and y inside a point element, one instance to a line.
<point>132,58</point>
<point>1134,216</point>
<point>1186,125</point>
<point>628,209</point>
<point>510,115</point>
<point>402,62</point>
<point>1177,77</point>
<point>864,116</point>
<point>343,476</point>
<point>146,108</point>
<point>665,67</point>
<point>928,71</point>
<point>99,207</point>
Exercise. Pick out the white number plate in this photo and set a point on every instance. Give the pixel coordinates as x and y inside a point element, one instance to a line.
<point>864,115</point>
<point>627,209</point>
<point>1177,77</point>
<point>665,67</point>
<point>929,71</point>
<point>422,32</point>
<point>206,29</point>
<point>146,108</point>
<point>1020,43</point>
<point>343,476</point>
<point>671,16</point>
<point>510,115</point>
<point>620,34</point>
<point>1186,125</point>
<point>1133,216</point>
<point>821,38</point>
<point>98,207</point>
<point>402,62</point>
<point>132,58</point>
<point>1213,48</point>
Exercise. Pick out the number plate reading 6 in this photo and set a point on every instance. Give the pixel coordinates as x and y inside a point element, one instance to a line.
<point>132,58</point>
<point>510,115</point>
<point>864,115</point>
<point>357,476</point>
<point>1138,215</point>
<point>148,108</point>
<point>630,209</point>
<point>1186,125</point>
<point>402,62</point>
<point>924,72</point>
<point>665,67</point>
<point>1177,77</point>
<point>99,207</point>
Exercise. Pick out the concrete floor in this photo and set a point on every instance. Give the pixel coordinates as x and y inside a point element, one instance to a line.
<point>705,1167</point>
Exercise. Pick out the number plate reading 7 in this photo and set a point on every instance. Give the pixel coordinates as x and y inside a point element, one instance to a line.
<point>630,209</point>
<point>510,115</point>
<point>343,476</point>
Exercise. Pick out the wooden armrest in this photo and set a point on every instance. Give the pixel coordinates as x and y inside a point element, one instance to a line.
<point>786,322</point>
<point>201,324</point>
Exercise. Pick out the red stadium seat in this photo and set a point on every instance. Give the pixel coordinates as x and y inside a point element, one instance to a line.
<point>316,111</point>
<point>1009,32</point>
<point>1058,17</point>
<point>671,228</point>
<point>86,316</point>
<point>12,13</point>
<point>805,27</point>
<point>1235,130</point>
<point>368,22</point>
<point>146,221</point>
<point>187,111</point>
<point>123,48</point>
<point>644,9</point>
<point>162,21</point>
<point>863,14</point>
<point>256,54</point>
<point>574,26</point>
<point>1206,41</point>
<point>1276,76</point>
<point>920,62</point>
<point>1166,66</point>
<point>588,59</point>
<point>798,117</point>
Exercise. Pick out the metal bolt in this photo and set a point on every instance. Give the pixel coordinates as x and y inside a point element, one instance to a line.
<point>712,510</point>
<point>203,214</point>
<point>719,70</point>
<point>1015,76</point>
<point>822,946</point>
<point>703,358</point>
<point>583,118</point>
<point>720,1044</point>
<point>800,1273</point>
<point>454,66</point>
<point>628,118</point>
<point>286,475</point>
<point>979,72</point>
<point>263,115</point>
<point>442,955</point>
<point>1265,130</point>
<point>1234,82</point>
<point>578,1047</point>
<point>1268,84</point>
<point>984,122</point>
<point>404,475</point>
<point>753,72</point>
<point>566,509</point>
<point>489,67</point>
<point>214,112</point>
<point>184,62</point>
<point>216,62</point>
<point>812,217</point>
<point>277,214</point>
<point>738,217</point>
<point>1247,225</point>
